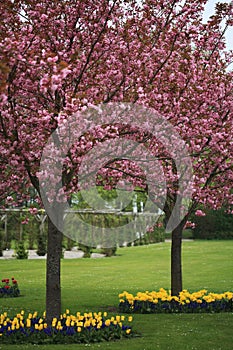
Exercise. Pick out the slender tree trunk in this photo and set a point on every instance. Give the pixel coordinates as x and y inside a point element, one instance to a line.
<point>53,285</point>
<point>176,261</point>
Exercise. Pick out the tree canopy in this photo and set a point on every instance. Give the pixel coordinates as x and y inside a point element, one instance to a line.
<point>61,58</point>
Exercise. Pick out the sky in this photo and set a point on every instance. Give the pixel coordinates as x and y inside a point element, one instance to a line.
<point>209,10</point>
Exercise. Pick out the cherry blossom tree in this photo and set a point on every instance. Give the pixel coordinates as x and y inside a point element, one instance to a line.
<point>59,58</point>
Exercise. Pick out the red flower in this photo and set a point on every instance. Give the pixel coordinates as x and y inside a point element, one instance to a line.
<point>7,287</point>
<point>15,282</point>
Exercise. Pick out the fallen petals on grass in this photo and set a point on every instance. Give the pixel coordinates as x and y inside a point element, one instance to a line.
<point>163,302</point>
<point>80,328</point>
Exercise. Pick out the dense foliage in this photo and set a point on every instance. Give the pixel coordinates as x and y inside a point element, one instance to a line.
<point>216,224</point>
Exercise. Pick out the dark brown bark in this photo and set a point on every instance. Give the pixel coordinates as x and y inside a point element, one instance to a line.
<point>53,284</point>
<point>176,260</point>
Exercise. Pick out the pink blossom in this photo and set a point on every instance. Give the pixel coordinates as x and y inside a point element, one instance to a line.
<point>199,213</point>
<point>25,222</point>
<point>33,210</point>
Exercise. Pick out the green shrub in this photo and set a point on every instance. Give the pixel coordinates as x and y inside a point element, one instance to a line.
<point>41,246</point>
<point>1,244</point>
<point>21,252</point>
<point>86,250</point>
<point>109,251</point>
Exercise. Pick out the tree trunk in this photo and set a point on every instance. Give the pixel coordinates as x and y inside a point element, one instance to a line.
<point>53,285</point>
<point>176,261</point>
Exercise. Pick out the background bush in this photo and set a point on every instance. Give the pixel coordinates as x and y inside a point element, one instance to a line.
<point>217,224</point>
<point>21,252</point>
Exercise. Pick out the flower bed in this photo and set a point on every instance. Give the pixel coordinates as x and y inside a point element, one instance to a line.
<point>86,328</point>
<point>9,288</point>
<point>163,302</point>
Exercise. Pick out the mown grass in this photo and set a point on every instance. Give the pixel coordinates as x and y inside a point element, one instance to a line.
<point>94,285</point>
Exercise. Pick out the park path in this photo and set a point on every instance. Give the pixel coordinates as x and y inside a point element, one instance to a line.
<point>69,254</point>
<point>72,254</point>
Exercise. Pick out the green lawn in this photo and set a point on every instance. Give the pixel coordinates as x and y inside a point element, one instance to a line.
<point>94,285</point>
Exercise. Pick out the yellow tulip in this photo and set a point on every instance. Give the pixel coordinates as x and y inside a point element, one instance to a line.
<point>107,322</point>
<point>87,323</point>
<point>99,325</point>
